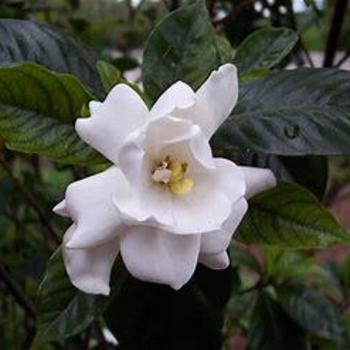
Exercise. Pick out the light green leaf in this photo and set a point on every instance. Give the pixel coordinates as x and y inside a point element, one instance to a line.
<point>295,112</point>
<point>109,75</point>
<point>289,216</point>
<point>312,311</point>
<point>183,46</point>
<point>37,113</point>
<point>265,48</point>
<point>254,74</point>
<point>22,40</point>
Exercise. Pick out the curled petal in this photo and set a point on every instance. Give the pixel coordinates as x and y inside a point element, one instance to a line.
<point>217,261</point>
<point>156,256</point>
<point>89,269</point>
<point>230,178</point>
<point>61,209</point>
<point>258,180</point>
<point>218,241</point>
<point>89,202</point>
<point>177,97</point>
<point>215,99</point>
<point>112,121</point>
<point>217,184</point>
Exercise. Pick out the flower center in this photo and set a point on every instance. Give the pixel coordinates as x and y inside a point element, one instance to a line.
<point>172,174</point>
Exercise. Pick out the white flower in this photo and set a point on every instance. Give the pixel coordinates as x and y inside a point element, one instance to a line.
<point>166,203</point>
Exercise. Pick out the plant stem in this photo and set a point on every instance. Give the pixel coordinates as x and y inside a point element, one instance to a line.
<point>334,32</point>
<point>259,285</point>
<point>16,291</point>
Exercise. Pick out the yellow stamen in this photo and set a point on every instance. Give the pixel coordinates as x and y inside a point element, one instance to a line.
<point>172,174</point>
<point>178,170</point>
<point>181,187</point>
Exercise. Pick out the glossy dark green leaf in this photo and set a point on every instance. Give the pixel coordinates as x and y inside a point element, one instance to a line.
<point>151,316</point>
<point>37,112</point>
<point>312,311</point>
<point>289,216</point>
<point>265,48</point>
<point>22,40</point>
<point>309,171</point>
<point>183,46</point>
<point>125,63</point>
<point>63,310</point>
<point>295,112</point>
<point>271,328</point>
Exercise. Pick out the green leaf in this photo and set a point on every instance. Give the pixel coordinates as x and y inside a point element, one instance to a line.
<point>265,48</point>
<point>109,75</point>
<point>300,170</point>
<point>254,74</point>
<point>22,40</point>
<point>240,256</point>
<point>292,265</point>
<point>296,112</point>
<point>343,270</point>
<point>289,216</point>
<point>63,310</point>
<point>271,328</point>
<point>183,46</point>
<point>37,112</point>
<point>125,63</point>
<point>152,316</point>
<point>312,311</point>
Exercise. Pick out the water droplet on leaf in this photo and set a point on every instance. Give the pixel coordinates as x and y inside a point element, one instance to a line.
<point>292,131</point>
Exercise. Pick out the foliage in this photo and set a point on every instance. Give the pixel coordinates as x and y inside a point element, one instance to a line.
<point>274,293</point>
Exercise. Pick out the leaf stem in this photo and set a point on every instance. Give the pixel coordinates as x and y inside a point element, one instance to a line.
<point>261,284</point>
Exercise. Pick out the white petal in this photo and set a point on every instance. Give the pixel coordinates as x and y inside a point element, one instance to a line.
<point>89,269</point>
<point>258,180</point>
<point>218,241</point>
<point>217,261</point>
<point>230,178</point>
<point>177,96</point>
<point>61,209</point>
<point>147,201</point>
<point>203,209</point>
<point>215,99</point>
<point>209,204</point>
<point>131,162</point>
<point>156,256</point>
<point>94,106</point>
<point>121,113</point>
<point>90,204</point>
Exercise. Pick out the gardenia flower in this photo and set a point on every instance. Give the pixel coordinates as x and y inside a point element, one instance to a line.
<point>166,203</point>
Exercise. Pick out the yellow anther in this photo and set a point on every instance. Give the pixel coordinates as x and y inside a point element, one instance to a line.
<point>181,187</point>
<point>178,171</point>
<point>172,174</point>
